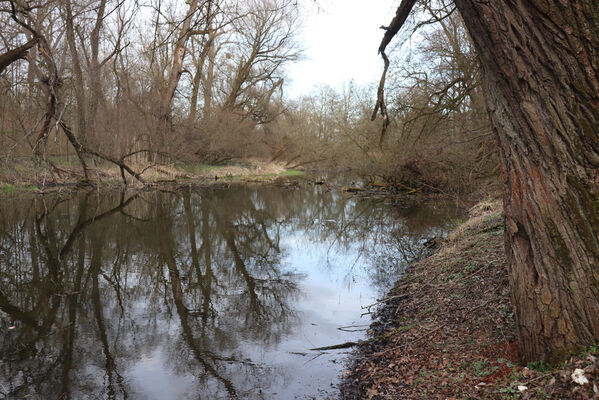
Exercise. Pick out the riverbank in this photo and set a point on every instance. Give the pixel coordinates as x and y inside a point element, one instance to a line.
<point>446,331</point>
<point>59,174</point>
<point>62,174</point>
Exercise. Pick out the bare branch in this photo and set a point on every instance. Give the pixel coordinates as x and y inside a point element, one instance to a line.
<point>16,54</point>
<point>401,15</point>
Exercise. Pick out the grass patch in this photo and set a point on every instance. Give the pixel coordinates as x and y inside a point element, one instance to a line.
<point>292,172</point>
<point>8,188</point>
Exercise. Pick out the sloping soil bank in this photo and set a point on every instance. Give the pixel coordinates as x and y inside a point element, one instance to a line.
<point>446,331</point>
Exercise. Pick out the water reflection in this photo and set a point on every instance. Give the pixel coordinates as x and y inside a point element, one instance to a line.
<point>191,295</point>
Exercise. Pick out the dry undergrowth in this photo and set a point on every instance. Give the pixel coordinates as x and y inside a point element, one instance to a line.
<point>159,172</point>
<point>104,174</point>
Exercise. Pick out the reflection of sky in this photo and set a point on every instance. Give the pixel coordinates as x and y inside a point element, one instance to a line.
<point>152,379</point>
<point>327,303</point>
<point>335,283</point>
<point>332,293</point>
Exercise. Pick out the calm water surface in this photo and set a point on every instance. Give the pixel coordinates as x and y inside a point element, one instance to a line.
<point>211,294</point>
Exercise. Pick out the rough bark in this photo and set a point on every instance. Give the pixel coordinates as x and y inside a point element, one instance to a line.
<point>540,67</point>
<point>540,71</point>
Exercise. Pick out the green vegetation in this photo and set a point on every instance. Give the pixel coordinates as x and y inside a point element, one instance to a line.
<point>482,368</point>
<point>8,188</point>
<point>540,366</point>
<point>292,172</point>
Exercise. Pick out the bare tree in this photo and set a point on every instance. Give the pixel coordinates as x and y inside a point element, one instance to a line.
<point>264,43</point>
<point>110,95</point>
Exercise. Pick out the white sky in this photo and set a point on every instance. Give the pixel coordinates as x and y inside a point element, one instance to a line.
<point>340,41</point>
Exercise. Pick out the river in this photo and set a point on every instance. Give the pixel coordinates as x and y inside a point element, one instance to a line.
<point>196,294</point>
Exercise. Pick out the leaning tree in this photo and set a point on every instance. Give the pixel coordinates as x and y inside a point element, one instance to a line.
<point>540,64</point>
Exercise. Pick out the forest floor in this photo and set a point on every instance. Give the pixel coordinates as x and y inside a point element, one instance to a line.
<point>62,174</point>
<point>446,331</point>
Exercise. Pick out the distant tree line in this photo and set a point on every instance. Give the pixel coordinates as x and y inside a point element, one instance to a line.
<point>160,81</point>
<point>141,78</point>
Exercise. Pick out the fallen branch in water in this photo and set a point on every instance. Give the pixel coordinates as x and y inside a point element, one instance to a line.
<point>386,299</point>
<point>347,345</point>
<point>353,328</point>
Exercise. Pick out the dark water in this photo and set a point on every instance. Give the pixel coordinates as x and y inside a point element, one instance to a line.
<point>203,295</point>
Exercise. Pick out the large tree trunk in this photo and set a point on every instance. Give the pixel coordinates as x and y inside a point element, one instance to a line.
<point>540,72</point>
<point>540,63</point>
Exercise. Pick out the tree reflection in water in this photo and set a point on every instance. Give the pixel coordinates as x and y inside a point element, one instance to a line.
<point>118,296</point>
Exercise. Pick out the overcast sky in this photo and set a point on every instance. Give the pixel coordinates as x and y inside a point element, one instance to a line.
<point>340,42</point>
